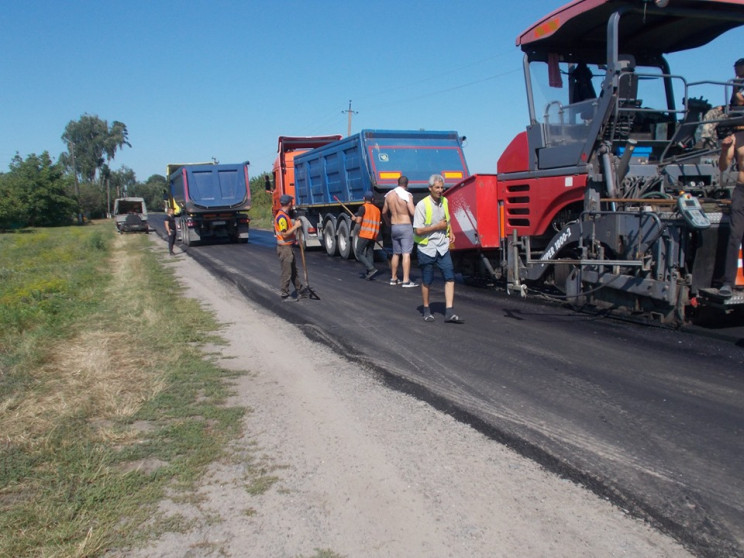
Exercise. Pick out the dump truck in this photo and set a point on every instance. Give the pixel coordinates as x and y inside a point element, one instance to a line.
<point>328,176</point>
<point>130,215</point>
<point>210,201</point>
<point>611,197</point>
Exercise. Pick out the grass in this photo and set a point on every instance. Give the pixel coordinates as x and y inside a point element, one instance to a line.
<point>107,400</point>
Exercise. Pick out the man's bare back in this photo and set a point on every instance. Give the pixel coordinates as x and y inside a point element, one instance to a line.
<point>400,211</point>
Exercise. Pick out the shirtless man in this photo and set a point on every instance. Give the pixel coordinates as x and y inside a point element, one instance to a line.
<point>732,147</point>
<point>397,212</point>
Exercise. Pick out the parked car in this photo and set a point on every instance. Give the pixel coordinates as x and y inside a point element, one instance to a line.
<point>130,215</point>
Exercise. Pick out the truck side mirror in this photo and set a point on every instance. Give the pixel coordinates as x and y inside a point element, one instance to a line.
<point>267,184</point>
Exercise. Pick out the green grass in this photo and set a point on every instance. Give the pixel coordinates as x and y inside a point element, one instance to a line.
<point>106,398</point>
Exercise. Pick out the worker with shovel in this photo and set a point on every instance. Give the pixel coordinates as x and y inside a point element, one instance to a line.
<point>285,232</point>
<point>368,219</point>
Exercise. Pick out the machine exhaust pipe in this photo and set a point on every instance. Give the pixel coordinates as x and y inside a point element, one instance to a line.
<point>608,170</point>
<point>624,164</point>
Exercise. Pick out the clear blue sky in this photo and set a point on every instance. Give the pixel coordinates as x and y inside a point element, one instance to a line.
<point>196,80</point>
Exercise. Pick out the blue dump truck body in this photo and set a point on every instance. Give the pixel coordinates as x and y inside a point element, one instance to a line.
<point>341,171</point>
<point>374,160</point>
<point>211,201</point>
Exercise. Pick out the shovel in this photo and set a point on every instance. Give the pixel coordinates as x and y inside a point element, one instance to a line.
<point>311,293</point>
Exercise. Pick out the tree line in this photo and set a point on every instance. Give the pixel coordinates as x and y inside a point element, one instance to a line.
<point>39,192</point>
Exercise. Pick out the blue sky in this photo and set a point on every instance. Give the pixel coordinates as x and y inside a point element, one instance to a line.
<point>196,80</point>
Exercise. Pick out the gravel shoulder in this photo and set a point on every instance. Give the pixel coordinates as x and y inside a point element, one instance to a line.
<point>365,471</point>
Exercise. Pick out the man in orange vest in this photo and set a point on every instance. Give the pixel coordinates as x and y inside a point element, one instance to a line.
<point>368,217</point>
<point>284,230</point>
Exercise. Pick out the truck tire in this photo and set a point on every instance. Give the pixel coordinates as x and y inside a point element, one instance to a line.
<point>185,237</point>
<point>344,240</point>
<point>354,243</point>
<point>330,242</point>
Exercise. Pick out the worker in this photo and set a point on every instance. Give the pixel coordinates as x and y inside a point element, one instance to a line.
<point>732,148</point>
<point>285,232</point>
<point>433,236</point>
<point>397,210</point>
<point>368,219</point>
<point>170,229</point>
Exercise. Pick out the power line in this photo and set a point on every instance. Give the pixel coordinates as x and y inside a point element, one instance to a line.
<point>437,75</point>
<point>446,90</point>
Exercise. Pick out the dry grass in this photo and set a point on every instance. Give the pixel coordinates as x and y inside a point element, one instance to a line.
<point>104,410</point>
<point>102,371</point>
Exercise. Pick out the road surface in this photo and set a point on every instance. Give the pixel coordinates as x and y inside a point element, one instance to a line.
<point>650,418</point>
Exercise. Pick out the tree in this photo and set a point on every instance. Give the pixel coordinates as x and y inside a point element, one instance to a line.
<point>34,193</point>
<point>91,143</point>
<point>261,215</point>
<point>13,212</point>
<point>116,138</point>
<point>152,191</point>
<point>85,141</point>
<point>92,200</point>
<point>122,181</point>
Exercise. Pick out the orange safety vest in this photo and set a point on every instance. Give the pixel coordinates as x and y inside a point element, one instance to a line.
<point>370,226</point>
<point>282,222</point>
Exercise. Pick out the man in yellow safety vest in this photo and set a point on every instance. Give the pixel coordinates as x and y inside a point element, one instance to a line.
<point>433,235</point>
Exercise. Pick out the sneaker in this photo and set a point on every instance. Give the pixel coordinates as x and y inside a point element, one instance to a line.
<point>409,284</point>
<point>395,281</point>
<point>453,319</point>
<point>371,273</point>
<point>288,299</point>
<point>428,318</point>
<point>725,291</point>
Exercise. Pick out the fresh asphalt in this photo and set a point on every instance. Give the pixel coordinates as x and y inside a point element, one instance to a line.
<point>650,418</point>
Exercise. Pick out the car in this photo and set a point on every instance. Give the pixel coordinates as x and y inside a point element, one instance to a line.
<point>130,215</point>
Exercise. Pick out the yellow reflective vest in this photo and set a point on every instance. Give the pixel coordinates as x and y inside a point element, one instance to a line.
<point>424,240</point>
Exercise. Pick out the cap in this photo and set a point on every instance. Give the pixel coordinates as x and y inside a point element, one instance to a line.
<point>739,62</point>
<point>285,199</point>
<point>368,195</point>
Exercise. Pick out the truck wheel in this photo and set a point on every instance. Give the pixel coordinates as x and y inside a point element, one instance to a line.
<point>329,238</point>
<point>185,239</point>
<point>344,239</point>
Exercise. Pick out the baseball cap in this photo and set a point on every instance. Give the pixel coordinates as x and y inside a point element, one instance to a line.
<point>739,62</point>
<point>368,195</point>
<point>285,199</point>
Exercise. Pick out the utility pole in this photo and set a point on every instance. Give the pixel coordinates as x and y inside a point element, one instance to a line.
<point>349,112</point>
<point>77,185</point>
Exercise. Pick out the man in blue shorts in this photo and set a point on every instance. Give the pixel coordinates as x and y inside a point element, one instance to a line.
<point>433,235</point>
<point>397,212</point>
